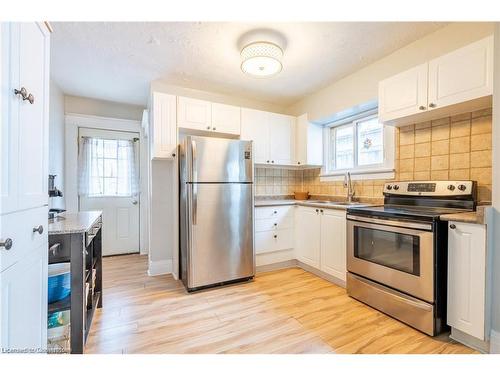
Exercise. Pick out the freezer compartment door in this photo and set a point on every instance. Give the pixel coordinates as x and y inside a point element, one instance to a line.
<point>221,241</point>
<point>219,160</point>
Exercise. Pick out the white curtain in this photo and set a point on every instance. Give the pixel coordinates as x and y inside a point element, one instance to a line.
<point>107,167</point>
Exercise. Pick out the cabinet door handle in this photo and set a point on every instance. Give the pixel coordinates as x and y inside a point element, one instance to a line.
<point>24,95</point>
<point>6,244</point>
<point>453,226</point>
<point>38,229</point>
<point>54,248</point>
<point>421,108</point>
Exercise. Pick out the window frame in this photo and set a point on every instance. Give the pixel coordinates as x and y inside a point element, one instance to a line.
<point>382,170</point>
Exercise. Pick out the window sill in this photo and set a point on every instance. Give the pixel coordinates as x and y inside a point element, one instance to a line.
<point>359,174</point>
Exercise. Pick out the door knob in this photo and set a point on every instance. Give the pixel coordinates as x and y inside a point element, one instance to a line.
<point>134,202</point>
<point>7,244</point>
<point>38,229</point>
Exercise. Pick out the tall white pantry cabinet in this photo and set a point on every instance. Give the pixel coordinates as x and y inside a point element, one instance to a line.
<point>24,129</point>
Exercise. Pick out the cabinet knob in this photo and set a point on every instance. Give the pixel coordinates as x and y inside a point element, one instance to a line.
<point>321,211</point>
<point>272,161</point>
<point>432,105</point>
<point>24,95</point>
<point>214,128</point>
<point>275,224</point>
<point>6,244</point>
<point>298,162</point>
<point>453,226</point>
<point>267,161</point>
<point>421,108</point>
<point>208,127</point>
<point>275,212</point>
<point>275,236</point>
<point>173,155</point>
<point>317,210</point>
<point>38,229</point>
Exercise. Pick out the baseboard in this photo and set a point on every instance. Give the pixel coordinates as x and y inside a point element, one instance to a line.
<point>321,274</point>
<point>494,342</point>
<point>160,267</point>
<point>292,263</point>
<point>470,341</point>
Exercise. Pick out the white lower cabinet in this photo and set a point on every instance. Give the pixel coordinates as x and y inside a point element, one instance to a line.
<point>273,229</point>
<point>333,243</point>
<point>23,305</point>
<point>307,236</point>
<point>467,278</point>
<point>320,239</point>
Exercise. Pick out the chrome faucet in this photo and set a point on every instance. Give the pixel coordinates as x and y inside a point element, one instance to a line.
<point>348,185</point>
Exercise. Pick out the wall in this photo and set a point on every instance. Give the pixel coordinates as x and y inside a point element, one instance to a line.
<point>56,142</point>
<point>215,97</point>
<point>362,86</point>
<point>103,108</point>
<point>457,147</point>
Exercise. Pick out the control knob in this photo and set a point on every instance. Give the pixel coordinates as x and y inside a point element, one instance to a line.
<point>389,187</point>
<point>462,187</point>
<point>396,187</point>
<point>451,187</point>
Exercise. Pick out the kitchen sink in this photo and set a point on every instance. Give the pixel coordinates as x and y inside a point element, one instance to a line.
<point>335,203</point>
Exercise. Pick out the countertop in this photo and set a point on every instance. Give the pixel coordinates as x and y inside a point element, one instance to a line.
<point>475,217</point>
<point>292,202</point>
<point>78,222</point>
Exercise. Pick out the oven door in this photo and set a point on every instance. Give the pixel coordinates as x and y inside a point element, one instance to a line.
<point>394,253</point>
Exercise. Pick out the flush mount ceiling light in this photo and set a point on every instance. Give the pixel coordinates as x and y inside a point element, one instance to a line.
<point>261,59</point>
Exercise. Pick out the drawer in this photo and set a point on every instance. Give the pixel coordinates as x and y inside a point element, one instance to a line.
<point>273,212</point>
<point>275,240</point>
<point>278,223</point>
<point>18,226</point>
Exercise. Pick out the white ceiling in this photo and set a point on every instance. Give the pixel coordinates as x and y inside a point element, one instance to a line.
<point>117,61</point>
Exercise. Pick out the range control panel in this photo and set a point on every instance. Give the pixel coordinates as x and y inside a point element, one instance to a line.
<point>429,188</point>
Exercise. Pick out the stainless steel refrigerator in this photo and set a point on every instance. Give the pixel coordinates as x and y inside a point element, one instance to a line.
<point>216,211</point>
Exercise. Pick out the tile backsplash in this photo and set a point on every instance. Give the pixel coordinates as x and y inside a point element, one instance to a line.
<point>456,147</point>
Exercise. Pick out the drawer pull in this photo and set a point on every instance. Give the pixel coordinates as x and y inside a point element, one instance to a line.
<point>38,229</point>
<point>7,244</point>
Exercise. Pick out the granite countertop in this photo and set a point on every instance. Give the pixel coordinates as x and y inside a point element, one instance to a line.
<point>475,217</point>
<point>309,203</point>
<point>78,222</point>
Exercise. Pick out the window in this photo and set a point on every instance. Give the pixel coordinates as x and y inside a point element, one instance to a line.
<point>107,167</point>
<point>359,146</point>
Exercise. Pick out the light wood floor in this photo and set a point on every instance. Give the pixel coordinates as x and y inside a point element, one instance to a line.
<point>286,311</point>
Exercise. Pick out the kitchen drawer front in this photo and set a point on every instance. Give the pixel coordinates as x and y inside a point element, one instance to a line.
<point>273,212</point>
<point>18,226</point>
<point>266,242</point>
<point>278,223</point>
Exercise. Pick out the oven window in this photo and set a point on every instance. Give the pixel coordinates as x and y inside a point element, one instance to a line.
<point>391,249</point>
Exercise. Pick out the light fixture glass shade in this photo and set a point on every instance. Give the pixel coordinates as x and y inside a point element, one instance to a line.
<point>261,59</point>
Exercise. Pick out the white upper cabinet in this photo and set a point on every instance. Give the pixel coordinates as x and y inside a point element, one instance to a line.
<point>460,81</point>
<point>467,278</point>
<point>226,118</point>
<point>273,136</point>
<point>255,127</point>
<point>194,114</point>
<point>308,142</point>
<point>281,139</point>
<point>25,122</point>
<point>462,75</point>
<point>403,94</point>
<point>163,126</point>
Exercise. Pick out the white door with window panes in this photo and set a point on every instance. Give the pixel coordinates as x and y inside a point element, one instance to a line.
<point>108,170</point>
<point>361,145</point>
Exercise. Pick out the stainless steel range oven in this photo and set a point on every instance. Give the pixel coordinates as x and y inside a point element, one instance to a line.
<point>396,253</point>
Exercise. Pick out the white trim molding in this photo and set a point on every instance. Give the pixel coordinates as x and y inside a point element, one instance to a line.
<point>494,342</point>
<point>160,267</point>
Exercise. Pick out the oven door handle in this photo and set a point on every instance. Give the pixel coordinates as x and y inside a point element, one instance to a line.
<point>393,223</point>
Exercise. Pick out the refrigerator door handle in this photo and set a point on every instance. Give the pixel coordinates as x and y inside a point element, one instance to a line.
<point>194,181</point>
